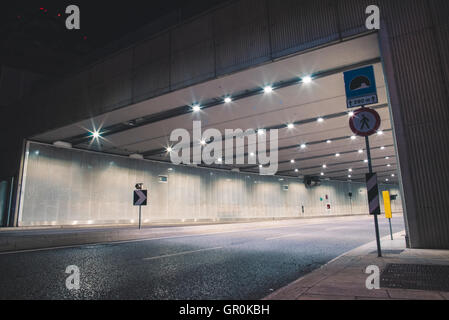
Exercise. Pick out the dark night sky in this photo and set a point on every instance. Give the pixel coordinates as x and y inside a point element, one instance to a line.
<point>31,37</point>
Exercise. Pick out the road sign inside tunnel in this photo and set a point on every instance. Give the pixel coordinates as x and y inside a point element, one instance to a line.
<point>360,85</point>
<point>140,197</point>
<point>365,122</point>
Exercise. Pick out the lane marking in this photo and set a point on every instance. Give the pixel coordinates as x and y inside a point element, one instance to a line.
<point>182,253</point>
<point>338,228</point>
<point>284,236</point>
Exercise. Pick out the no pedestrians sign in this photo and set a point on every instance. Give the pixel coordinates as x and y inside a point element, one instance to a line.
<point>365,122</point>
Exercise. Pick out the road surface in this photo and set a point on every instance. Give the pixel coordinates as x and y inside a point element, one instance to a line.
<point>234,261</point>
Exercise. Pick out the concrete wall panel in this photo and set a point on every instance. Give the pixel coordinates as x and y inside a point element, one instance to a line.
<point>192,56</point>
<point>241,33</point>
<point>68,187</point>
<point>298,28</point>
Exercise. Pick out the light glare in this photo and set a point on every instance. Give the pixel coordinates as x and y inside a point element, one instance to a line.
<point>307,79</point>
<point>268,89</point>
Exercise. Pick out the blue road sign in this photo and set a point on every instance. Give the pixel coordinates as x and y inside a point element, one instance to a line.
<point>361,87</point>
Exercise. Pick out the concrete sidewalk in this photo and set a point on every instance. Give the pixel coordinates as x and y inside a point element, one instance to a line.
<point>344,278</point>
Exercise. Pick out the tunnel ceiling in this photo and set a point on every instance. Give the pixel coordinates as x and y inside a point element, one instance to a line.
<point>320,137</point>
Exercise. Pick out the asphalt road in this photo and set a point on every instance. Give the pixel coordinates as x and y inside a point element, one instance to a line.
<point>244,261</point>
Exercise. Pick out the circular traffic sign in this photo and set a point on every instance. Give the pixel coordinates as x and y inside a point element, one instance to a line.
<point>365,122</point>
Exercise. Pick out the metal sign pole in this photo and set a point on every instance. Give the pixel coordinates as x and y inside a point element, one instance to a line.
<point>391,229</point>
<point>376,222</point>
<point>140,217</point>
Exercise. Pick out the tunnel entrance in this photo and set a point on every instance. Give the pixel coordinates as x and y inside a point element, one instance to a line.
<point>83,174</point>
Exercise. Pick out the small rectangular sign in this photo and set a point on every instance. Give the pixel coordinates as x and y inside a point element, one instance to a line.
<point>360,86</point>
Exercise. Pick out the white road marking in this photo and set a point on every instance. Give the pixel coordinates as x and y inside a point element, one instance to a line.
<point>284,236</point>
<point>337,228</point>
<point>182,253</point>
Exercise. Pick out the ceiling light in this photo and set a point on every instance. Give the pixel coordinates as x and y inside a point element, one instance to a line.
<point>268,89</point>
<point>387,180</point>
<point>322,173</point>
<point>292,161</point>
<point>228,100</point>
<point>251,154</point>
<point>169,149</point>
<point>353,137</point>
<point>203,142</point>
<point>380,132</point>
<point>96,134</point>
<point>350,170</point>
<point>260,166</point>
<point>219,160</point>
<point>290,126</point>
<point>351,113</point>
<point>387,158</point>
<point>366,161</point>
<point>349,176</point>
<point>261,132</point>
<point>382,148</point>
<point>360,151</point>
<point>296,170</point>
<point>303,146</point>
<point>196,108</point>
<point>320,120</point>
<point>307,79</point>
<point>393,175</point>
<point>388,165</point>
<point>337,155</point>
<point>329,141</point>
<point>324,166</point>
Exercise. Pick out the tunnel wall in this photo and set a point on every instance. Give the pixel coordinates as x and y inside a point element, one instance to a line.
<point>67,187</point>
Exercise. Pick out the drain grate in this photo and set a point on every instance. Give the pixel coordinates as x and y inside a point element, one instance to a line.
<point>415,276</point>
